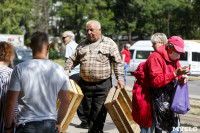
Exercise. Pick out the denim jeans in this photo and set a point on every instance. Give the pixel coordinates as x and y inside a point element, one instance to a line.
<point>146,130</point>
<point>126,65</point>
<point>45,126</point>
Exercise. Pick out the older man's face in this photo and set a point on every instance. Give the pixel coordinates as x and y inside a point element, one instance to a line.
<point>65,38</point>
<point>93,33</point>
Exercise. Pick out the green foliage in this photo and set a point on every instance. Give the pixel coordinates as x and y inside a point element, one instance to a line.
<point>60,61</point>
<point>75,14</point>
<point>117,17</point>
<point>12,14</point>
<point>53,54</point>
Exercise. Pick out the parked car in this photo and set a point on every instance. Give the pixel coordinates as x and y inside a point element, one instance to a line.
<point>22,55</point>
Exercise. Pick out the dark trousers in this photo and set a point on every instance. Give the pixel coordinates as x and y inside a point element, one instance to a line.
<point>93,103</point>
<point>79,111</point>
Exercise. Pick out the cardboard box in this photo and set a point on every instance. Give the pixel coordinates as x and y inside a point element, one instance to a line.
<point>119,106</point>
<point>76,96</point>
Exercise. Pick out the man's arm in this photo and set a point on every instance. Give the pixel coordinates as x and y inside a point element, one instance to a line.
<point>118,65</point>
<point>63,96</point>
<point>71,62</point>
<point>9,107</point>
<point>123,57</point>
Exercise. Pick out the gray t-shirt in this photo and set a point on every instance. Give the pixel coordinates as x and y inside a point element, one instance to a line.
<point>39,82</point>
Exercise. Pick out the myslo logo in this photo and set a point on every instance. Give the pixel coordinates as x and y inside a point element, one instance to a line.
<point>186,129</point>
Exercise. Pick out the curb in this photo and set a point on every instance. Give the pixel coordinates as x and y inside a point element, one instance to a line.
<point>193,77</point>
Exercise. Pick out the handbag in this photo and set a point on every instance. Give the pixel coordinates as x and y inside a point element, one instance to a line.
<point>162,98</point>
<point>181,103</point>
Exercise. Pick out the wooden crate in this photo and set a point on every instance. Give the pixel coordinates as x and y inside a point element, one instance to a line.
<point>119,106</point>
<point>76,96</point>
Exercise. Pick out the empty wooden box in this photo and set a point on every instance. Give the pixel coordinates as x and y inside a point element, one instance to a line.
<point>119,106</point>
<point>76,96</point>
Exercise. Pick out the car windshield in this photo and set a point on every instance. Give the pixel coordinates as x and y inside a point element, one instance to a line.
<point>143,54</point>
<point>183,56</point>
<point>24,54</point>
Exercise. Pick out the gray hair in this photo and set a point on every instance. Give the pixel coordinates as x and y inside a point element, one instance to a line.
<point>128,45</point>
<point>94,21</point>
<point>70,33</point>
<point>159,38</point>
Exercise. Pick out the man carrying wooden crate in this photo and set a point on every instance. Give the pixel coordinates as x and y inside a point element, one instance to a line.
<point>96,55</point>
<point>36,84</point>
<point>68,38</point>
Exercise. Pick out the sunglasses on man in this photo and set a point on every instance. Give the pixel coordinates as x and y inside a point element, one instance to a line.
<point>64,37</point>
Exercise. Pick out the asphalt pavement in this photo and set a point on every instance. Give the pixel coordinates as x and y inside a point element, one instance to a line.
<point>108,128</point>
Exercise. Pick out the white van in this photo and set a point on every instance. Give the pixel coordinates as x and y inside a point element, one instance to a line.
<point>141,50</point>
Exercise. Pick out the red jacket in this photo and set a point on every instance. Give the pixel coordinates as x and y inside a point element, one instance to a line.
<point>141,99</point>
<point>150,74</point>
<point>157,70</point>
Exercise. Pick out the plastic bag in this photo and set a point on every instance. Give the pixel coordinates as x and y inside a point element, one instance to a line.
<point>162,98</point>
<point>181,103</point>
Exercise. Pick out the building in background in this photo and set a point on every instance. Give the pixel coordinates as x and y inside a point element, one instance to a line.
<point>15,40</point>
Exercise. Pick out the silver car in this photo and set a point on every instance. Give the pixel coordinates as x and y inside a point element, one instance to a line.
<point>22,55</point>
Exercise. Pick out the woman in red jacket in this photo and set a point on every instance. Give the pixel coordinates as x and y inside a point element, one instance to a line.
<point>160,69</point>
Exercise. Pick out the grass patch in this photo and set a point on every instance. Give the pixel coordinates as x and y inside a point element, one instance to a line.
<point>195,113</point>
<point>59,61</point>
<point>189,125</point>
<point>195,106</point>
<point>193,78</point>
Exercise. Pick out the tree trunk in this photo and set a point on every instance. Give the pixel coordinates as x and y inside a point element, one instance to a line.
<point>168,21</point>
<point>129,35</point>
<point>44,5</point>
<point>76,25</point>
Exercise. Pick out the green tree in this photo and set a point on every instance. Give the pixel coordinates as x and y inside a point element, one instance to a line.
<point>40,15</point>
<point>74,14</point>
<point>12,15</point>
<point>126,15</point>
<point>103,13</point>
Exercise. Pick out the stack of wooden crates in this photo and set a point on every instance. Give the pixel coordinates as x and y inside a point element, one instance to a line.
<point>119,106</point>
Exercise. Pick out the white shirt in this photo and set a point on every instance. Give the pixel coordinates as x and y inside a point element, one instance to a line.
<point>69,50</point>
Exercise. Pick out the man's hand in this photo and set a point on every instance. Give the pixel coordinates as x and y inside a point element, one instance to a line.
<point>121,84</point>
<point>58,127</point>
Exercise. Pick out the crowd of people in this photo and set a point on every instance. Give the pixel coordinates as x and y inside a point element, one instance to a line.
<point>29,92</point>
